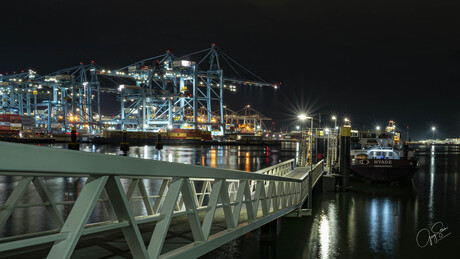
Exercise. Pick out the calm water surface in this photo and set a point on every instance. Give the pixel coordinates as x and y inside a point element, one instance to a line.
<point>380,221</point>
<point>418,220</point>
<point>371,221</point>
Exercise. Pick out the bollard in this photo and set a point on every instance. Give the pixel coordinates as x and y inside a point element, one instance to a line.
<point>159,144</point>
<point>124,144</point>
<point>73,145</point>
<point>345,140</point>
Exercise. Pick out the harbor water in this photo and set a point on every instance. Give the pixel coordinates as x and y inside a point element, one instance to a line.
<point>418,220</point>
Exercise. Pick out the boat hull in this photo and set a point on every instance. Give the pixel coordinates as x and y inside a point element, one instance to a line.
<point>384,170</point>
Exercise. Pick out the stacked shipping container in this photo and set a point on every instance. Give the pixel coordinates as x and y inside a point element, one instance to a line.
<point>10,124</point>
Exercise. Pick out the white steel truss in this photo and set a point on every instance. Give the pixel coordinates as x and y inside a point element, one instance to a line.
<point>248,200</point>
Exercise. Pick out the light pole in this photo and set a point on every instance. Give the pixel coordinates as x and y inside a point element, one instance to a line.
<point>433,129</point>
<point>304,117</point>
<point>335,122</point>
<point>328,155</point>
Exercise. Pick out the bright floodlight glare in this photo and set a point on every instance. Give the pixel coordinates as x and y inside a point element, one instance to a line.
<point>303,117</point>
<point>378,127</point>
<point>346,119</point>
<point>433,128</point>
<point>334,118</point>
<point>297,127</point>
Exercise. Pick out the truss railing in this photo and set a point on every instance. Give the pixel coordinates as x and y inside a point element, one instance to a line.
<point>116,182</point>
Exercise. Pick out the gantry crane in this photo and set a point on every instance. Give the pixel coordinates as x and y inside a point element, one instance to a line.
<point>247,120</point>
<point>157,93</point>
<point>55,100</point>
<point>171,92</point>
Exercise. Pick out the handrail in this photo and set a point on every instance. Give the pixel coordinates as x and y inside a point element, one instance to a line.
<point>280,169</point>
<point>181,190</point>
<point>68,163</point>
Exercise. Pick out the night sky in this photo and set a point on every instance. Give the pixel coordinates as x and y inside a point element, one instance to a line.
<point>370,61</point>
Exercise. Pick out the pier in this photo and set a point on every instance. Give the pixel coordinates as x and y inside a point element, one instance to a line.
<point>152,209</point>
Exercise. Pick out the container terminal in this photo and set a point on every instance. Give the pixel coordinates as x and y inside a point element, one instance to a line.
<point>179,98</point>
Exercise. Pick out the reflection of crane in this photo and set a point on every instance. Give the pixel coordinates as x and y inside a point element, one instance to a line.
<point>247,120</point>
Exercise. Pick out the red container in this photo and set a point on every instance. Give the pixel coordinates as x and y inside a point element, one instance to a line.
<point>15,118</point>
<point>4,117</point>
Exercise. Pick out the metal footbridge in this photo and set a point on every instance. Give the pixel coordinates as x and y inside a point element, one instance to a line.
<point>141,203</point>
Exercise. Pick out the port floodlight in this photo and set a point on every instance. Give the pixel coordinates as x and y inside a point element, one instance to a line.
<point>303,117</point>
<point>334,118</point>
<point>297,127</point>
<point>433,128</point>
<point>377,128</point>
<point>346,119</point>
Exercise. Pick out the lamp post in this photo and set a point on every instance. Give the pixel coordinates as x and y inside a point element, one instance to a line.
<point>303,117</point>
<point>335,122</point>
<point>433,129</point>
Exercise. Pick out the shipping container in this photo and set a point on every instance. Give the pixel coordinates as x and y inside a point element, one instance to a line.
<point>63,77</point>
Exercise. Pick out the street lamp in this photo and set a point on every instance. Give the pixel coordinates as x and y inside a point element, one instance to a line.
<point>433,129</point>
<point>297,127</point>
<point>377,128</point>
<point>303,117</point>
<point>335,121</point>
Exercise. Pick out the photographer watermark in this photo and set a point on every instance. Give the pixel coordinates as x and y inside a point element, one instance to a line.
<point>432,236</point>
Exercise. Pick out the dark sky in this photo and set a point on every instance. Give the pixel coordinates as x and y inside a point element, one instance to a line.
<point>371,61</point>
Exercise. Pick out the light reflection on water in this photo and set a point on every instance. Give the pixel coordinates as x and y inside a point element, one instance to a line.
<point>380,221</point>
<point>328,229</point>
<point>432,180</point>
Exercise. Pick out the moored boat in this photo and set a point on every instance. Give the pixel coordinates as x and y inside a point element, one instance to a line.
<point>384,166</point>
<point>388,162</point>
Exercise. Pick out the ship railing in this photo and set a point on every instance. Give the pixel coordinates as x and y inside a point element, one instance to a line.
<point>120,193</point>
